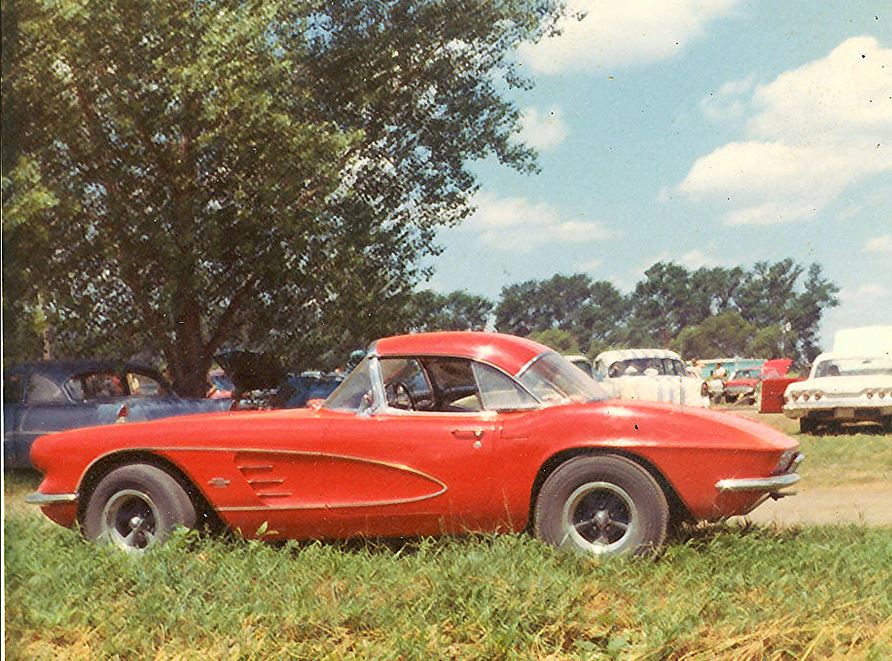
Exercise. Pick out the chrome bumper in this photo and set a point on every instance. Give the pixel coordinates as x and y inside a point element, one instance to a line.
<point>773,483</point>
<point>50,498</point>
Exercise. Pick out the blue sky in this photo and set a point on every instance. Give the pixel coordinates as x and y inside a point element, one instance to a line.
<point>708,132</point>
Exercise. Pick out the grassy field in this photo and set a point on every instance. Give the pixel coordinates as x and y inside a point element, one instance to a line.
<point>714,592</point>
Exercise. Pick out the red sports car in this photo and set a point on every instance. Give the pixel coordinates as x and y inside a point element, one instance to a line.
<point>431,433</point>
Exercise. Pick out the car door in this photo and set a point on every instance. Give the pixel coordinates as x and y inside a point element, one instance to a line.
<point>421,462</point>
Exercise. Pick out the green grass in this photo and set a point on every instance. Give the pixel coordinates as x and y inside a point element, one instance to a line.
<point>714,592</point>
<point>720,592</point>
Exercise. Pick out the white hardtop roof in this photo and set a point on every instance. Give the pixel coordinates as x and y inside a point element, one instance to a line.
<point>610,357</point>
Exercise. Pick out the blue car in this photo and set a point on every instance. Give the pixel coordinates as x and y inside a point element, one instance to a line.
<point>49,396</point>
<point>261,382</point>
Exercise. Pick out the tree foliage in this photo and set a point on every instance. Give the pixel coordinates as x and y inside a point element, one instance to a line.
<point>767,311</point>
<point>191,174</point>
<point>588,310</point>
<point>458,310</point>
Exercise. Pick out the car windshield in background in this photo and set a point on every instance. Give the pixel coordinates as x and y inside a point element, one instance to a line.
<point>745,374</point>
<point>554,379</point>
<point>646,367</point>
<point>853,367</point>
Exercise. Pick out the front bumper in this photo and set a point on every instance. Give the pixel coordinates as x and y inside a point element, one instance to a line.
<point>50,498</point>
<point>840,407</point>
<point>769,484</point>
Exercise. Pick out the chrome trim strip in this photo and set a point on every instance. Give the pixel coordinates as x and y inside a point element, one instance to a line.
<point>324,455</point>
<point>514,379</point>
<point>38,498</point>
<point>377,379</point>
<point>758,483</point>
<point>529,364</point>
<point>329,506</point>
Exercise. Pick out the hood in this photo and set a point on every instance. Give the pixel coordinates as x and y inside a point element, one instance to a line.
<point>251,370</point>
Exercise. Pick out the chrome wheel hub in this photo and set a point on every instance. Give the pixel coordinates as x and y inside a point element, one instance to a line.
<point>130,520</point>
<point>599,517</point>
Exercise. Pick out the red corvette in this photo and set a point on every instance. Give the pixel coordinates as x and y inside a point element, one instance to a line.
<point>431,433</point>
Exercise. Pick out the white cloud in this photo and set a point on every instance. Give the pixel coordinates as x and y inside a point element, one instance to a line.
<point>590,265</point>
<point>692,260</point>
<point>879,244</point>
<point>811,133</point>
<point>516,223</point>
<point>542,130</point>
<point>695,259</point>
<point>622,33</point>
<point>729,102</point>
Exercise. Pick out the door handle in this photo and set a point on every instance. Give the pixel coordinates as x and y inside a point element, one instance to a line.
<point>475,434</point>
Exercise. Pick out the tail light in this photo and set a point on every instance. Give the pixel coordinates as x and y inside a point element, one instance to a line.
<point>123,412</point>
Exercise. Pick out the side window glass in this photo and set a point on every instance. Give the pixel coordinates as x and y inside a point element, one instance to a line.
<point>355,393</point>
<point>95,385</point>
<point>499,392</point>
<point>405,385</point>
<point>454,385</point>
<point>13,392</point>
<point>43,391</point>
<point>143,385</point>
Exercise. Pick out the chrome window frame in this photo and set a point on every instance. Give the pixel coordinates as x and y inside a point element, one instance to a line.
<point>380,397</point>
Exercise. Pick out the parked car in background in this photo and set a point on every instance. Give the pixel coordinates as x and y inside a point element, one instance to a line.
<point>49,396</point>
<point>745,384</point>
<point>431,433</point>
<point>656,375</point>
<point>842,388</point>
<point>581,362</point>
<point>260,381</point>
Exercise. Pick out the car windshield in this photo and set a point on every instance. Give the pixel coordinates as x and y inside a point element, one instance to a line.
<point>646,367</point>
<point>853,367</point>
<point>745,374</point>
<point>355,392</point>
<point>555,380</point>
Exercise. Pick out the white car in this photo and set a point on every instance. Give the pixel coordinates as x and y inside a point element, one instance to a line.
<point>654,375</point>
<point>842,388</point>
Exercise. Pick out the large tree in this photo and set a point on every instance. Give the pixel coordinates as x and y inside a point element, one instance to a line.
<point>191,173</point>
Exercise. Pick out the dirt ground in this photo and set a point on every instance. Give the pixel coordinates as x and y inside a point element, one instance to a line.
<point>869,504</point>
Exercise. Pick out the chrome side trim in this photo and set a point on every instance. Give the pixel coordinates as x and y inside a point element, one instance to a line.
<point>38,498</point>
<point>329,506</point>
<point>323,455</point>
<point>758,483</point>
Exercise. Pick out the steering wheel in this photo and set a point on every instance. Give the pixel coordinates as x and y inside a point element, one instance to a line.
<point>401,388</point>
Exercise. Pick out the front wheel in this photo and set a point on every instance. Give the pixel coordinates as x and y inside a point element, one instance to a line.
<point>136,507</point>
<point>601,505</point>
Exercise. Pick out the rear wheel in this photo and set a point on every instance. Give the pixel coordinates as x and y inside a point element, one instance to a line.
<point>601,505</point>
<point>807,425</point>
<point>136,507</point>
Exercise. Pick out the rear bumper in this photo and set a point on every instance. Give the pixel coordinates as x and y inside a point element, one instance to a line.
<point>769,484</point>
<point>50,498</point>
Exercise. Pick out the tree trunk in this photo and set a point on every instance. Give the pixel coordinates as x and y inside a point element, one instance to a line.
<point>191,360</point>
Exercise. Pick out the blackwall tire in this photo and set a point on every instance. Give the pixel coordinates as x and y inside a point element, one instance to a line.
<point>136,507</point>
<point>601,505</point>
<point>807,425</point>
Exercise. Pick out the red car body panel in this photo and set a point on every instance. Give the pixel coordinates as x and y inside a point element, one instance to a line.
<point>319,473</point>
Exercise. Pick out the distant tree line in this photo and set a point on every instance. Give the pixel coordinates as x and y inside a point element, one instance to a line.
<point>771,310</point>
